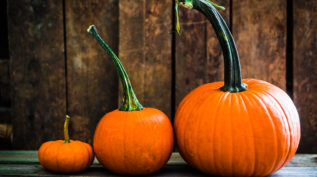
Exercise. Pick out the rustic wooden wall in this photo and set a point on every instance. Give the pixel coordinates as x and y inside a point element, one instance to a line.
<point>91,79</point>
<point>305,70</point>
<point>55,67</point>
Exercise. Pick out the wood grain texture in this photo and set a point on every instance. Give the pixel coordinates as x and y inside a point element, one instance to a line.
<point>25,163</point>
<point>145,50</point>
<point>91,76</point>
<point>190,53</point>
<point>305,71</point>
<point>198,57</point>
<point>259,28</point>
<point>5,115</point>
<point>214,66</point>
<point>4,49</point>
<point>5,99</point>
<point>31,157</point>
<point>37,71</point>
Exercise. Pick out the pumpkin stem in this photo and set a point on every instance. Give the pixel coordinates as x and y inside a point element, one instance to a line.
<point>130,101</point>
<point>232,77</point>
<point>189,4</point>
<point>66,134</point>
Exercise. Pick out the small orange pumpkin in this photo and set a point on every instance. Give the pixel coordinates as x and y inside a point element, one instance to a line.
<point>132,140</point>
<point>65,156</point>
<point>237,127</point>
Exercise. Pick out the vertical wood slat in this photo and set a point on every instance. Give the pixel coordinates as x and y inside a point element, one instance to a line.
<point>145,50</point>
<point>4,84</point>
<point>190,53</point>
<point>198,53</point>
<point>37,71</point>
<point>259,28</point>
<point>4,48</point>
<point>214,64</point>
<point>92,79</point>
<point>305,71</point>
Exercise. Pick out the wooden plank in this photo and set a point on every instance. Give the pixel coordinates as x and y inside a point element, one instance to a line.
<point>24,157</point>
<point>190,53</point>
<point>214,66</point>
<point>198,53</point>
<point>145,50</point>
<point>5,99</point>
<point>91,77</point>
<point>158,55</point>
<point>4,51</point>
<point>25,163</point>
<point>305,71</point>
<point>36,47</point>
<point>168,170</point>
<point>21,157</point>
<point>259,28</point>
<point>5,114</point>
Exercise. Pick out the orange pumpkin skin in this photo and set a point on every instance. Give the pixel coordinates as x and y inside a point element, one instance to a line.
<point>61,157</point>
<point>249,133</point>
<point>134,142</point>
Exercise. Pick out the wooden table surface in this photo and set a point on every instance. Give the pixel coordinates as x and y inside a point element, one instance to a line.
<point>25,163</point>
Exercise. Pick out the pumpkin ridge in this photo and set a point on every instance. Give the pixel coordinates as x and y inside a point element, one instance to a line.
<point>268,113</point>
<point>259,168</point>
<point>124,142</point>
<point>207,99</point>
<point>73,159</point>
<point>46,146</point>
<point>211,98</point>
<point>231,131</point>
<point>289,128</point>
<point>83,146</point>
<point>235,97</point>
<point>184,132</point>
<point>285,121</point>
<point>214,129</point>
<point>252,131</point>
<point>58,147</point>
<point>186,141</point>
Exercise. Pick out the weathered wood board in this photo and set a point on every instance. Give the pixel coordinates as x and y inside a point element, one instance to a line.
<point>145,50</point>
<point>305,71</point>
<point>4,48</point>
<point>214,65</point>
<point>198,53</point>
<point>25,163</point>
<point>37,71</point>
<point>259,28</point>
<point>5,99</point>
<point>92,81</point>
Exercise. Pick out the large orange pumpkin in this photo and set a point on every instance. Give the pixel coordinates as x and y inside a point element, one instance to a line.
<point>237,127</point>
<point>65,156</point>
<point>131,140</point>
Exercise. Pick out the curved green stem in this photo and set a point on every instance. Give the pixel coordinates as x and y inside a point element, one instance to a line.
<point>232,76</point>
<point>189,4</point>
<point>66,134</point>
<point>130,101</point>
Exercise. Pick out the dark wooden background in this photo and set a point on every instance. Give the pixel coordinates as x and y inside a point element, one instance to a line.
<point>50,65</point>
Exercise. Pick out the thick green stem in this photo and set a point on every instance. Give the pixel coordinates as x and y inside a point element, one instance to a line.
<point>130,101</point>
<point>66,134</point>
<point>233,79</point>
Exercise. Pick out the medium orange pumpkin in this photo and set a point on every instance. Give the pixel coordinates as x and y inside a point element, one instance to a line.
<point>131,140</point>
<point>237,127</point>
<point>65,156</point>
